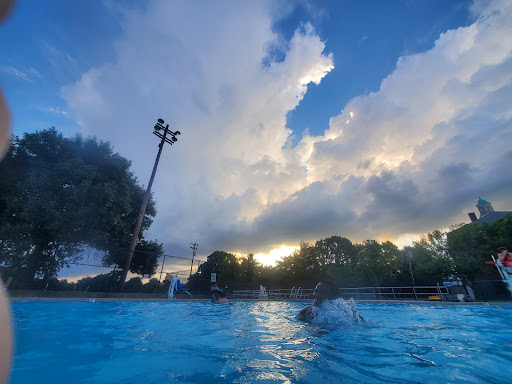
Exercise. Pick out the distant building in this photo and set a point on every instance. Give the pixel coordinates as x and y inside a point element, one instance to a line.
<point>487,213</point>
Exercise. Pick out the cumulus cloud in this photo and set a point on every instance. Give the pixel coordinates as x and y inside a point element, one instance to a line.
<point>408,158</point>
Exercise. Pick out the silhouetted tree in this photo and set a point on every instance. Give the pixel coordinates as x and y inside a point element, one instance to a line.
<point>59,196</point>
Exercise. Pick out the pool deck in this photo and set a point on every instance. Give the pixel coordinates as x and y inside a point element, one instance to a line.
<point>184,300</point>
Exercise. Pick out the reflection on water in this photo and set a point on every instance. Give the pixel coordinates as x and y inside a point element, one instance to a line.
<point>248,342</point>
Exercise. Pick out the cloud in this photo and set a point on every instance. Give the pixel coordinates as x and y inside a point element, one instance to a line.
<point>59,59</point>
<point>26,74</point>
<point>409,158</point>
<point>55,110</point>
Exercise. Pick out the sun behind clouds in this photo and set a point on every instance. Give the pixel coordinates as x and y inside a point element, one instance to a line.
<point>274,255</point>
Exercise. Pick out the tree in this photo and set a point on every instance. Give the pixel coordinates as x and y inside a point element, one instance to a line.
<point>338,257</point>
<point>134,285</point>
<point>152,286</point>
<point>378,261</point>
<point>431,256</point>
<point>224,264</point>
<point>303,267</point>
<point>248,270</point>
<point>145,258</point>
<point>59,196</point>
<point>100,283</point>
<point>336,250</point>
<point>471,245</point>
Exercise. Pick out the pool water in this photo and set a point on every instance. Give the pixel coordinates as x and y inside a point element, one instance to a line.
<point>259,342</point>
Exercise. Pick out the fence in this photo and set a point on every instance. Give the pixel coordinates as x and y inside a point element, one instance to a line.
<point>274,294</point>
<point>396,293</point>
<point>360,293</point>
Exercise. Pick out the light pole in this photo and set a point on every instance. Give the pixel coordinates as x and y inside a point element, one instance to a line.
<point>194,247</point>
<point>158,127</point>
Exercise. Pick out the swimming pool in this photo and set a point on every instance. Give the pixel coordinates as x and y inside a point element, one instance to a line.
<point>258,342</point>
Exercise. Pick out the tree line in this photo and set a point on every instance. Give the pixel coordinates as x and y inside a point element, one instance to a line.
<point>461,251</point>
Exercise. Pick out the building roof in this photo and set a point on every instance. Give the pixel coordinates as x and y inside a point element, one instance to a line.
<point>481,201</point>
<point>491,217</point>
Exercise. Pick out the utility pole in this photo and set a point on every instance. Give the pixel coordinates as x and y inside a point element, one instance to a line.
<point>162,270</point>
<point>158,127</point>
<point>194,247</point>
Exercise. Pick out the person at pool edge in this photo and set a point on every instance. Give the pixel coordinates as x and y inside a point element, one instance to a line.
<point>323,291</point>
<point>218,296</point>
<point>505,259</point>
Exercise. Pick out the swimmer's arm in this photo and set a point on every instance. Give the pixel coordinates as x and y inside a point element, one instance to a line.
<point>306,314</point>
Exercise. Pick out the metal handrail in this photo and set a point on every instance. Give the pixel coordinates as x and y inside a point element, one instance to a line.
<point>377,293</point>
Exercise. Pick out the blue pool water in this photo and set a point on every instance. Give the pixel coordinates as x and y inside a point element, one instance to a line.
<point>259,342</point>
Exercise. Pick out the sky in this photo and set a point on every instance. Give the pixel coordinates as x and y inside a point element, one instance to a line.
<point>299,120</point>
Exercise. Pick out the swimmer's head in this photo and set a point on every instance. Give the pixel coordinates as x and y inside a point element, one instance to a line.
<point>324,291</point>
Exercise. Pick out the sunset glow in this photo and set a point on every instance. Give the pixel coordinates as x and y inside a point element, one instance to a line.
<point>274,255</point>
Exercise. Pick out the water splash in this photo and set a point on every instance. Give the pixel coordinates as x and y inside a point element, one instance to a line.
<point>338,312</point>
<point>508,281</point>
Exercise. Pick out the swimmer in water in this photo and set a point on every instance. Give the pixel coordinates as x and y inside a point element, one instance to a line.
<point>218,296</point>
<point>323,291</point>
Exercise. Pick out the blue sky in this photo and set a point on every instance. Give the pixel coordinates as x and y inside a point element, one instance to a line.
<point>299,119</point>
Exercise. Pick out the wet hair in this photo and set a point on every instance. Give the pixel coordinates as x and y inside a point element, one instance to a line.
<point>333,289</point>
<point>503,249</point>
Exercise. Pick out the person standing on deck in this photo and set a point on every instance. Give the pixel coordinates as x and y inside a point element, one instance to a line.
<point>505,259</point>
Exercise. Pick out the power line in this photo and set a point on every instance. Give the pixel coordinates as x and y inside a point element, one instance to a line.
<point>166,255</point>
<point>94,265</point>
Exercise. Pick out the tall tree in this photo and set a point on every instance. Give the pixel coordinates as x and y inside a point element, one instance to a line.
<point>336,250</point>
<point>431,256</point>
<point>338,256</point>
<point>59,196</point>
<point>224,264</point>
<point>378,261</point>
<point>303,267</point>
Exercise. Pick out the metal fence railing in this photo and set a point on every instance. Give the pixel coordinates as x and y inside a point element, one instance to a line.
<point>396,293</point>
<point>360,293</point>
<point>274,294</point>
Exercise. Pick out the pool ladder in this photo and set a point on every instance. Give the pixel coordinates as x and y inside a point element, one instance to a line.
<point>294,294</point>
